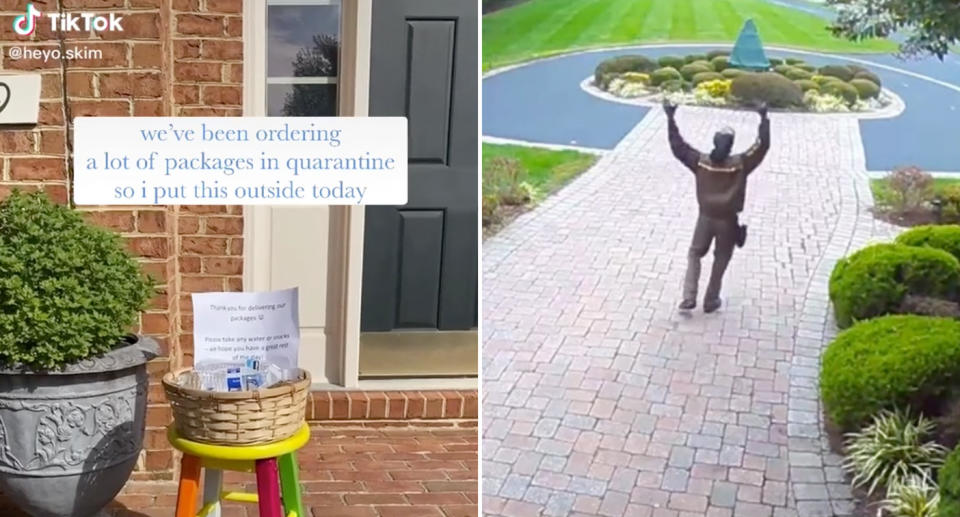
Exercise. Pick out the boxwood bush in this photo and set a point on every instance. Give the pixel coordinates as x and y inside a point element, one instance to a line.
<point>942,237</point>
<point>949,480</point>
<point>839,71</point>
<point>798,73</point>
<point>662,75</point>
<point>673,85</point>
<point>730,73</point>
<point>807,85</point>
<point>866,89</point>
<point>783,69</point>
<point>713,54</point>
<point>703,77</point>
<point>870,76</point>
<point>774,89</point>
<point>692,69</point>
<point>846,91</point>
<point>68,289</point>
<point>775,61</point>
<point>695,57</point>
<point>671,61</point>
<point>609,68</point>
<point>873,281</point>
<point>794,61</point>
<point>720,63</point>
<point>887,362</point>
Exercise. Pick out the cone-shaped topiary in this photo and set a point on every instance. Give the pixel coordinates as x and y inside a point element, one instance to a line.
<point>68,289</point>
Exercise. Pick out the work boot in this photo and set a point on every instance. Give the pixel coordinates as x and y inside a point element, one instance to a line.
<point>711,305</point>
<point>688,304</point>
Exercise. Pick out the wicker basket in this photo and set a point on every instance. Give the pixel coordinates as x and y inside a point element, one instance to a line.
<point>239,417</point>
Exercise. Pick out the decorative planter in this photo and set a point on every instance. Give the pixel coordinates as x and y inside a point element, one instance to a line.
<point>70,439</point>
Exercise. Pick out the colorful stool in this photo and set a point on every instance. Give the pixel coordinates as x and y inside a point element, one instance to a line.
<point>275,464</point>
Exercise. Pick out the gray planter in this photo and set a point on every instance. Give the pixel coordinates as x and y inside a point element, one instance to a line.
<point>70,439</point>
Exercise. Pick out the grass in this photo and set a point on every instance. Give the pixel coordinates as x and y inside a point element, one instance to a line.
<point>543,27</point>
<point>536,173</point>
<point>883,196</point>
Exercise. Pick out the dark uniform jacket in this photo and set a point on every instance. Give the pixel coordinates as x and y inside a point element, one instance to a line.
<point>721,187</point>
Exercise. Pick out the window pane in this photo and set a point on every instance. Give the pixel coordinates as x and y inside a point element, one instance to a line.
<point>303,40</point>
<point>301,100</point>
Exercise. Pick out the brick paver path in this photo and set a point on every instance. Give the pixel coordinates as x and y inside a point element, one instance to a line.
<point>352,472</point>
<point>600,398</point>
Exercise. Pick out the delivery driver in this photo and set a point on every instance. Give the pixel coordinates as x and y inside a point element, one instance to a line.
<point>721,185</point>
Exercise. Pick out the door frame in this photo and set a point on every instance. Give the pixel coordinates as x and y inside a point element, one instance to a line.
<point>346,230</point>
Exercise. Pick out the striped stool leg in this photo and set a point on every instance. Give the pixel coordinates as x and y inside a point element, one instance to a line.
<point>212,486</point>
<point>189,483</point>
<point>290,484</point>
<point>268,488</point>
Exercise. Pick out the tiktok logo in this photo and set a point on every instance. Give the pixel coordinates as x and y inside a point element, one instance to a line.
<point>25,24</point>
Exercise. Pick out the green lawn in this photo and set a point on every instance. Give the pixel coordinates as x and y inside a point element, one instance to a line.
<point>538,173</point>
<point>883,196</point>
<point>543,27</point>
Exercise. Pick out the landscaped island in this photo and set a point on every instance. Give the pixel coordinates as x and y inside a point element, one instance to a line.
<point>710,80</point>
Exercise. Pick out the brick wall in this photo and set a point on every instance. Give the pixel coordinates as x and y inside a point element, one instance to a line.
<point>174,58</point>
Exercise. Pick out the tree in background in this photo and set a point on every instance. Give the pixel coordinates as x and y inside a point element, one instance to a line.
<point>307,100</point>
<point>931,26</point>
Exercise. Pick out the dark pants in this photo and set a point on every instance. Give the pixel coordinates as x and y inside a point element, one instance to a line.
<point>724,231</point>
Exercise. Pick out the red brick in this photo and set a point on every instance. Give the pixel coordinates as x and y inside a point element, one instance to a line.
<point>186,5</point>
<point>151,221</point>
<point>50,86</point>
<point>130,85</point>
<point>222,266</point>
<point>204,245</point>
<point>186,48</point>
<point>205,71</point>
<point>200,284</point>
<point>118,220</point>
<point>149,247</point>
<point>147,108</point>
<point>17,141</point>
<point>189,225</point>
<point>96,4</point>
<point>137,26</point>
<point>222,50</point>
<point>154,323</point>
<point>52,141</point>
<point>57,193</point>
<point>105,108</point>
<point>80,84</point>
<point>190,264</point>
<point>29,64</point>
<point>147,55</point>
<point>159,416</point>
<point>236,246</point>
<point>225,6</point>
<point>112,55</point>
<point>224,226</point>
<point>50,114</point>
<point>159,460</point>
<point>186,94</point>
<point>344,511</point>
<point>37,168</point>
<point>199,25</point>
<point>222,95</point>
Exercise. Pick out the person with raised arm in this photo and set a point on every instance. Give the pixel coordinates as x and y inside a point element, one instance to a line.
<point>721,179</point>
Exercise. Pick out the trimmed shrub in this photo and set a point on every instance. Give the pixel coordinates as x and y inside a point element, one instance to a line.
<point>840,72</point>
<point>636,77</point>
<point>671,62</point>
<point>783,69</point>
<point>809,68</point>
<point>730,73</point>
<point>794,61</point>
<point>927,306</point>
<point>866,89</point>
<point>692,58</point>
<point>662,75</point>
<point>713,54</point>
<point>846,91</point>
<point>949,480</point>
<point>807,85</point>
<point>869,76</point>
<point>823,79</point>
<point>68,289</point>
<point>775,61</point>
<point>945,237</point>
<point>774,89</point>
<point>873,281</point>
<point>720,63</point>
<point>692,69</point>
<point>673,85</point>
<point>888,362</point>
<point>703,77</point>
<point>612,67</point>
<point>856,69</point>
<point>798,73</point>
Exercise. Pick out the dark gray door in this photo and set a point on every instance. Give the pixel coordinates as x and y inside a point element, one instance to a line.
<point>420,260</point>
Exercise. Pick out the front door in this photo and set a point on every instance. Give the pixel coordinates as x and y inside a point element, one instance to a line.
<point>420,259</point>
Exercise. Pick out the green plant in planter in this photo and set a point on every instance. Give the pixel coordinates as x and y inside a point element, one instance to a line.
<point>68,289</point>
<point>891,450</point>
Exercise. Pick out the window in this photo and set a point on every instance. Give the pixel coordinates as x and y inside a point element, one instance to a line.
<point>303,51</point>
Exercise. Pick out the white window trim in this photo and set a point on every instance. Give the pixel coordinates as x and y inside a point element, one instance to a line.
<point>346,223</point>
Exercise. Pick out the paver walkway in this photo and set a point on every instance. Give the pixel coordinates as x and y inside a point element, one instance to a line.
<point>372,471</point>
<point>600,398</point>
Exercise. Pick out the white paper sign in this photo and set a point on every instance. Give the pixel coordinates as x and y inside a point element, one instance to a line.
<point>230,327</point>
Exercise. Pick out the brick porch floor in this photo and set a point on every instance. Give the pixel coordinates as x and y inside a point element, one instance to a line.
<point>385,469</point>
